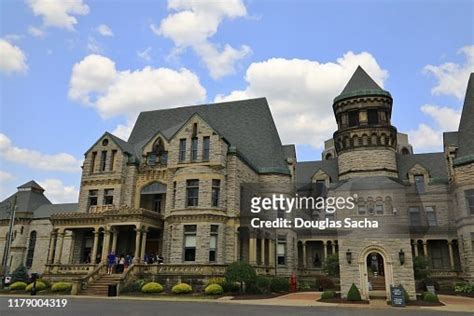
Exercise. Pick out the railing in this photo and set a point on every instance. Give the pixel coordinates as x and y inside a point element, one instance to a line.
<point>101,208</point>
<point>93,275</point>
<point>58,268</point>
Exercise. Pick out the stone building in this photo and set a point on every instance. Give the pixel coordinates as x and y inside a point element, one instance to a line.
<point>174,189</point>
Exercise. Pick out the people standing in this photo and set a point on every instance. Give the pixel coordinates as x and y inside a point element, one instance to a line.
<point>110,262</point>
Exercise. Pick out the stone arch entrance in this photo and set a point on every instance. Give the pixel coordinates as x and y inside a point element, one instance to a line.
<point>375,259</point>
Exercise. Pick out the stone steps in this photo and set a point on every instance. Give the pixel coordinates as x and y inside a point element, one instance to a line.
<point>101,286</point>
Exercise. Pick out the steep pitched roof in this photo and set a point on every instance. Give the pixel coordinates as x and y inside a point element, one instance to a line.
<point>247,125</point>
<point>360,80</point>
<point>466,126</point>
<point>306,169</point>
<point>289,151</point>
<point>435,163</point>
<point>46,210</point>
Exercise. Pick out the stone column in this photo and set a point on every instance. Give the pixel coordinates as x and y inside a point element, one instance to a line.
<point>114,240</point>
<point>415,248</point>
<point>60,249</point>
<point>272,254</point>
<point>105,245</point>
<point>236,245</point>
<point>52,238</point>
<point>451,256</point>
<point>253,251</point>
<point>94,247</point>
<point>325,244</point>
<point>333,244</point>
<point>262,251</point>
<point>136,257</point>
<point>142,251</point>
<point>304,254</point>
<point>425,248</point>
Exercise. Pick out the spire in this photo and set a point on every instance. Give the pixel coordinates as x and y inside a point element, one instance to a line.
<point>466,126</point>
<point>360,80</point>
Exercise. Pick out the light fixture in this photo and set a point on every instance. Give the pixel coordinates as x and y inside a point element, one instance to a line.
<point>349,256</point>
<point>401,256</point>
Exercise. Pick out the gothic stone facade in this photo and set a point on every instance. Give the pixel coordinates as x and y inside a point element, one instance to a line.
<point>174,189</point>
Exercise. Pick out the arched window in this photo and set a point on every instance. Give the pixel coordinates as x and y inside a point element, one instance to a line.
<point>158,155</point>
<point>31,250</point>
<point>328,156</point>
<point>405,151</point>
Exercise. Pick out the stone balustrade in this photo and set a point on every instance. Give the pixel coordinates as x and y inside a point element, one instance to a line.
<point>76,269</point>
<point>101,208</point>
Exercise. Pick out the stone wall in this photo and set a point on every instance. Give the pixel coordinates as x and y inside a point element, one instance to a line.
<point>367,162</point>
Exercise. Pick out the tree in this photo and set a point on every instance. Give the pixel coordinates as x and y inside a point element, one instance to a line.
<point>353,294</point>
<point>20,274</point>
<point>331,266</point>
<point>240,272</point>
<point>420,267</point>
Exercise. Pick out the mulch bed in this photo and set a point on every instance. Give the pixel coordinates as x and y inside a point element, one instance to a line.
<point>338,300</point>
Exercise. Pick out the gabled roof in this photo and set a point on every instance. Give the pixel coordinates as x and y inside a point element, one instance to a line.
<point>466,125</point>
<point>247,125</point>
<point>435,163</point>
<point>123,145</point>
<point>306,169</point>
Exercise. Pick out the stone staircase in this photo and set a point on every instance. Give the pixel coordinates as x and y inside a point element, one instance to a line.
<point>101,286</point>
<point>378,283</point>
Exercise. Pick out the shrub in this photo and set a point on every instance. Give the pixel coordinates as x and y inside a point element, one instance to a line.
<point>240,272</point>
<point>304,286</point>
<point>325,282</point>
<point>135,286</point>
<point>47,283</point>
<point>331,266</point>
<point>152,287</point>
<point>429,282</point>
<point>430,297</point>
<point>353,294</point>
<point>20,274</point>
<point>214,289</point>
<point>61,287</point>
<point>182,288</point>
<point>420,267</point>
<point>231,287</point>
<point>220,281</point>
<point>328,294</point>
<point>279,284</point>
<point>467,288</point>
<point>18,285</point>
<point>263,284</point>
<point>40,286</point>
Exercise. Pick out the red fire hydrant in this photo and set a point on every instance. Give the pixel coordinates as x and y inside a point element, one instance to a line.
<point>293,283</point>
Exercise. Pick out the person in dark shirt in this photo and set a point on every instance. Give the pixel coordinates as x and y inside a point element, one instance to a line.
<point>110,262</point>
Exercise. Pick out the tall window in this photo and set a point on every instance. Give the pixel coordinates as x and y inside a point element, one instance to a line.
<point>190,242</point>
<point>103,160</point>
<point>93,194</point>
<point>415,219</point>
<point>205,148</point>
<point>373,117</point>
<point>431,216</point>
<point>379,208</point>
<point>194,149</point>
<point>112,160</point>
<point>174,194</point>
<point>31,250</point>
<point>182,150</point>
<point>353,118</point>
<point>94,156</point>
<point>470,201</point>
<point>216,188</point>
<point>192,193</point>
<point>420,183</point>
<point>362,208</point>
<point>158,154</point>
<point>213,243</point>
<point>108,196</point>
<point>281,250</point>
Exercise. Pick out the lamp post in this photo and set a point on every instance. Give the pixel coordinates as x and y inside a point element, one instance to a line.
<point>401,256</point>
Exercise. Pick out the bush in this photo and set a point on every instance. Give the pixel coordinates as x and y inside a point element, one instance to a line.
<point>40,286</point>
<point>467,288</point>
<point>240,272</point>
<point>20,274</point>
<point>328,294</point>
<point>220,281</point>
<point>430,297</point>
<point>152,287</point>
<point>331,266</point>
<point>420,267</point>
<point>325,282</point>
<point>429,282</point>
<point>279,284</point>
<point>47,283</point>
<point>353,294</point>
<point>61,287</point>
<point>135,286</point>
<point>182,288</point>
<point>214,289</point>
<point>304,286</point>
<point>231,287</point>
<point>18,285</point>
<point>263,284</point>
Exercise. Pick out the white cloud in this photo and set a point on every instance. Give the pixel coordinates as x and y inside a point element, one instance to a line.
<point>12,58</point>
<point>5,176</point>
<point>36,31</point>
<point>301,92</point>
<point>93,46</point>
<point>123,131</point>
<point>57,192</point>
<point>194,23</point>
<point>145,54</point>
<point>59,13</point>
<point>425,138</point>
<point>452,77</point>
<point>446,118</point>
<point>104,30</point>
<point>37,160</point>
<point>96,82</point>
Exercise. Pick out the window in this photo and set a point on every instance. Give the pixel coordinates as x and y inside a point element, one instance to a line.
<point>112,160</point>
<point>205,148</point>
<point>157,203</point>
<point>379,208</point>
<point>108,196</point>
<point>216,187</point>
<point>182,150</point>
<point>103,160</point>
<point>190,242</point>
<point>431,216</point>
<point>31,250</point>
<point>470,201</point>
<point>194,149</point>
<point>353,118</point>
<point>93,197</point>
<point>174,194</point>
<point>94,156</point>
<point>213,243</point>
<point>373,117</point>
<point>281,250</point>
<point>420,183</point>
<point>151,159</point>
<point>415,219</point>
<point>192,192</point>
<point>362,209</point>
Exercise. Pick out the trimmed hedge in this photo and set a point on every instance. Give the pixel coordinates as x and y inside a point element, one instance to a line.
<point>18,286</point>
<point>152,287</point>
<point>220,281</point>
<point>353,294</point>
<point>40,286</point>
<point>214,289</point>
<point>328,294</point>
<point>61,287</point>
<point>430,297</point>
<point>182,288</point>
<point>279,284</point>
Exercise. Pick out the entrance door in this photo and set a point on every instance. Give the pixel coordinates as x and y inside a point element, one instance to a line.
<point>375,272</point>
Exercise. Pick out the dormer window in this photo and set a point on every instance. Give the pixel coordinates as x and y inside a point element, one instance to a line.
<point>419,183</point>
<point>158,155</point>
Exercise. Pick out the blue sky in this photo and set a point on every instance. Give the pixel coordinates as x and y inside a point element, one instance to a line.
<point>70,70</point>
